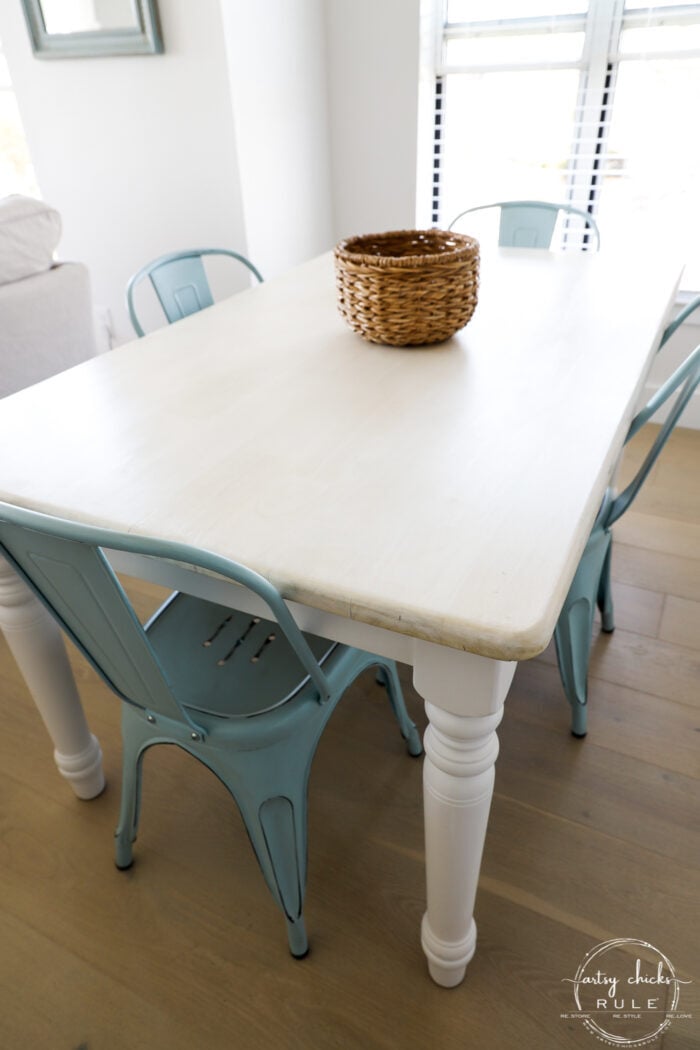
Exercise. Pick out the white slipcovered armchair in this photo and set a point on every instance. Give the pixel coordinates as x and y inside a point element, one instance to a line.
<point>46,310</point>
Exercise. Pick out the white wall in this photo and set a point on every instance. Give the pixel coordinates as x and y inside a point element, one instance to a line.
<point>373,58</point>
<point>277,70</point>
<point>137,153</point>
<point>274,128</point>
<point>325,97</point>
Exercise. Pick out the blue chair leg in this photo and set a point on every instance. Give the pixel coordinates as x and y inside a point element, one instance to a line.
<point>574,630</point>
<point>136,734</point>
<point>605,602</point>
<point>387,675</point>
<point>277,828</point>
<point>270,794</point>
<point>270,788</point>
<point>572,637</point>
<point>279,819</point>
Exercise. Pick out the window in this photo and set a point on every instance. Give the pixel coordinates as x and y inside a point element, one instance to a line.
<point>568,100</point>
<point>16,172</point>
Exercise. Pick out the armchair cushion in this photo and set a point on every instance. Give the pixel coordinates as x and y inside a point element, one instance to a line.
<point>46,325</point>
<point>29,233</point>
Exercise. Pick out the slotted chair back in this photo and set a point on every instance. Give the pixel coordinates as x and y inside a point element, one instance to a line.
<point>531,224</point>
<point>248,702</point>
<point>180,282</point>
<point>64,563</point>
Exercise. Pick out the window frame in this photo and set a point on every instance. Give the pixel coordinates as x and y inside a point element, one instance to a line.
<point>602,22</point>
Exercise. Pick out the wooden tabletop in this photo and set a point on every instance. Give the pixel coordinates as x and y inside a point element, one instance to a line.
<point>445,493</point>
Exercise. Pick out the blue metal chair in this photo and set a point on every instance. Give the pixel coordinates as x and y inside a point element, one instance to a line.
<point>530,224</point>
<point>679,319</point>
<point>591,583</point>
<point>247,696</point>
<point>180,282</point>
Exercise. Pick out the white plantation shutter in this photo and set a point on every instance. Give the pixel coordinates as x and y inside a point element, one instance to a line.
<point>594,103</point>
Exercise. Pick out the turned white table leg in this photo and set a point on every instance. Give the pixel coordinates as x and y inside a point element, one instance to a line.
<point>458,777</point>
<point>465,706</point>
<point>36,644</point>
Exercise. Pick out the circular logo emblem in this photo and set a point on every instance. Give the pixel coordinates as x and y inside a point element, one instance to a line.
<point>626,992</point>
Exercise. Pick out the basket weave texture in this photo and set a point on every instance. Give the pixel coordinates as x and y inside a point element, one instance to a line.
<point>407,287</point>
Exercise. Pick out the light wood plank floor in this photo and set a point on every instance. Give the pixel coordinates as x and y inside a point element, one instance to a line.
<point>588,840</point>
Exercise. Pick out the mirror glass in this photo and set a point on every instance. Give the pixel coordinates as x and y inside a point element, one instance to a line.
<point>84,16</point>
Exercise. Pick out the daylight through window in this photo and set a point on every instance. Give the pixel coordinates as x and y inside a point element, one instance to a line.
<point>564,100</point>
<point>16,171</point>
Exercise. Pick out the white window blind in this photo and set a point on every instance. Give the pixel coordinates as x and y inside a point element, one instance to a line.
<point>591,102</point>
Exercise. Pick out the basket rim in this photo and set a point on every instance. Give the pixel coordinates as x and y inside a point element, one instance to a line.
<point>465,247</point>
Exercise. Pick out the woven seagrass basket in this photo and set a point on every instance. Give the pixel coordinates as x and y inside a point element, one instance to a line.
<point>407,287</point>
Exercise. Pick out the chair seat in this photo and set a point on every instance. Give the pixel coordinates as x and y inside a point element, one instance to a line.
<point>226,663</point>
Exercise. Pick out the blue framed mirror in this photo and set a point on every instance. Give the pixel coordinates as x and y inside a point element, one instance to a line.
<point>91,28</point>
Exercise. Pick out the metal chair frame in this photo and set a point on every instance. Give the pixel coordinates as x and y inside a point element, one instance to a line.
<point>247,696</point>
<point>530,224</point>
<point>180,282</point>
<point>591,583</point>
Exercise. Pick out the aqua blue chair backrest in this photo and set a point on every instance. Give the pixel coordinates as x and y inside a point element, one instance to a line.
<point>181,286</point>
<point>180,282</point>
<point>531,224</point>
<point>64,563</point>
<point>684,382</point>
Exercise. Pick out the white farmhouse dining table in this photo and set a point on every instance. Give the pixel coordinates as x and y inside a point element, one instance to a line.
<point>429,504</point>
